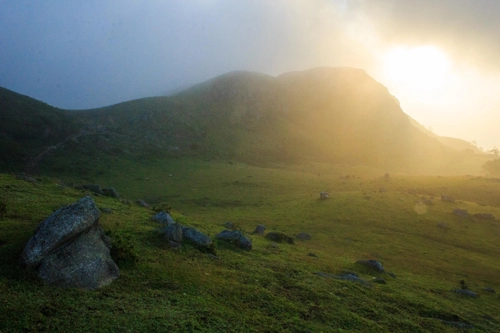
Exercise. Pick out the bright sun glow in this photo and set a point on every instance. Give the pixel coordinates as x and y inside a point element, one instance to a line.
<point>421,71</point>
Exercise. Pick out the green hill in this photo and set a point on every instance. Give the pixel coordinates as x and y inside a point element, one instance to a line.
<point>332,115</point>
<point>254,149</point>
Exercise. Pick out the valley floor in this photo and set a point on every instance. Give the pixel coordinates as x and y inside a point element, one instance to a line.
<point>397,220</point>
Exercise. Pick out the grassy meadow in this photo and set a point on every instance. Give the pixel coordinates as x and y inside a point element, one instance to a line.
<point>399,221</point>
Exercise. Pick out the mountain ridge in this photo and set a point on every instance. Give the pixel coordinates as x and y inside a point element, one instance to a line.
<point>327,114</point>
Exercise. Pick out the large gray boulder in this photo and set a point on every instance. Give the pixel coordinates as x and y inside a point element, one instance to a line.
<point>69,249</point>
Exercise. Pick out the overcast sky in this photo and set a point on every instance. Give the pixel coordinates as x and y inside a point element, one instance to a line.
<point>440,58</point>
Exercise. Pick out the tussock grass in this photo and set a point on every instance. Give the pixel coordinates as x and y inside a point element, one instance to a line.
<point>273,288</point>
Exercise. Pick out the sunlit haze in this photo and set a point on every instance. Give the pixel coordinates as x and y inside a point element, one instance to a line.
<point>422,72</point>
<point>439,59</point>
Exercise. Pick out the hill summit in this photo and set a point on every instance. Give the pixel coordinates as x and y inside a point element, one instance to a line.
<point>333,115</point>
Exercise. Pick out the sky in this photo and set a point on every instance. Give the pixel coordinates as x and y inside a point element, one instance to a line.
<point>440,58</point>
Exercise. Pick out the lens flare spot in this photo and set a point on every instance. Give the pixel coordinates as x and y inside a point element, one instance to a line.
<point>420,208</point>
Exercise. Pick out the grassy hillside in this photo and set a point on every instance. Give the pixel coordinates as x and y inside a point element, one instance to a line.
<point>28,128</point>
<point>326,115</point>
<point>273,288</point>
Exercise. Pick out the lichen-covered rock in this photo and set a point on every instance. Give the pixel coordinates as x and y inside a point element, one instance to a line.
<point>62,226</point>
<point>69,249</point>
<point>84,263</point>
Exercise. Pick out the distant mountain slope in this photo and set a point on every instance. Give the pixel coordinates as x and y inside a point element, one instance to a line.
<point>454,143</point>
<point>336,115</point>
<point>29,126</point>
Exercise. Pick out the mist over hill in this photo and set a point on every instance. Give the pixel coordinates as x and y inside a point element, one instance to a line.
<point>332,115</point>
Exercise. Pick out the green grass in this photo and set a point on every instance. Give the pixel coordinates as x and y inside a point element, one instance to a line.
<point>270,289</point>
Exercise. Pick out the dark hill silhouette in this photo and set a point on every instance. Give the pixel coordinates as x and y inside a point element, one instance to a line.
<point>335,115</point>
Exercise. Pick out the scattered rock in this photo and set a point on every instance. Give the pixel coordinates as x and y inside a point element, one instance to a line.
<point>163,217</point>
<point>259,230</point>
<point>229,225</point>
<point>373,264</point>
<point>312,255</point>
<point>303,236</point>
<point>237,238</point>
<point>111,192</point>
<point>93,188</point>
<point>26,177</point>
<point>142,203</point>
<point>484,216</point>
<point>69,248</point>
<point>197,238</point>
<point>466,292</point>
<point>461,212</point>
<point>323,195</point>
<point>489,290</point>
<point>173,234</point>
<point>446,198</point>
<point>279,237</point>
<point>442,225</point>
<point>349,276</point>
<point>379,280</point>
